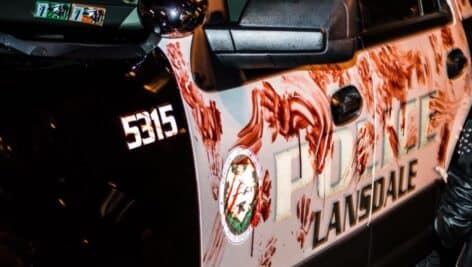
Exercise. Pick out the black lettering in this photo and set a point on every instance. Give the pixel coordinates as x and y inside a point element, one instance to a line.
<point>317,241</point>
<point>401,190</point>
<point>379,187</point>
<point>392,188</point>
<point>365,202</point>
<point>335,219</point>
<point>412,174</point>
<point>350,210</point>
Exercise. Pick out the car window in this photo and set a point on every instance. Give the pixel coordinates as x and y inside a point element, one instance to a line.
<point>380,12</point>
<point>385,19</point>
<point>429,6</point>
<point>235,8</point>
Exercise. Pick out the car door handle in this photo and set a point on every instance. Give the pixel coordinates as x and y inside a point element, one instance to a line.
<point>346,105</point>
<point>456,62</point>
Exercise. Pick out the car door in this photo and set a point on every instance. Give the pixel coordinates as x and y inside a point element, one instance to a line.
<point>283,154</point>
<point>421,100</point>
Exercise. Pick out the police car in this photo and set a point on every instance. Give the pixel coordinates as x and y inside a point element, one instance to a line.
<point>228,133</point>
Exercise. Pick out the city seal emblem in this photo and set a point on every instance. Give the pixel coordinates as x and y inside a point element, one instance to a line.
<point>239,194</point>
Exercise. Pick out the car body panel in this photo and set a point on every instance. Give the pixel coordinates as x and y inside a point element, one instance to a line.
<point>285,119</point>
<point>69,169</point>
<point>464,8</point>
<point>438,107</point>
<point>317,194</point>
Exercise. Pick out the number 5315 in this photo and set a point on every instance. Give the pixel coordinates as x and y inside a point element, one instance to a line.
<point>146,128</point>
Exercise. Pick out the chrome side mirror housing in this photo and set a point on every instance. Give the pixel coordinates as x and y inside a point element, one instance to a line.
<point>172,18</point>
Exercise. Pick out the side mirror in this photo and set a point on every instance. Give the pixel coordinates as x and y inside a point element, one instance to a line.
<point>285,34</point>
<point>252,48</point>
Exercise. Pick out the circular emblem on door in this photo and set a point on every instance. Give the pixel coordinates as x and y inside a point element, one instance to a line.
<point>239,194</point>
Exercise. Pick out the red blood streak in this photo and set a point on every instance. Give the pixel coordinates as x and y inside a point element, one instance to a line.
<point>263,207</point>
<point>306,218</point>
<point>395,69</point>
<point>213,254</point>
<point>445,134</point>
<point>364,147</point>
<point>364,72</point>
<point>235,197</point>
<point>446,36</point>
<point>437,50</point>
<point>444,107</point>
<point>325,74</point>
<point>207,117</point>
<point>265,260</point>
<point>393,139</point>
<point>286,115</point>
<point>230,190</point>
<point>412,134</point>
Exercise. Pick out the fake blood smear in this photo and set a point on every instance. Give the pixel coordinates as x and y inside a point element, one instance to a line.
<point>287,115</point>
<point>438,55</point>
<point>396,70</point>
<point>207,117</point>
<point>445,134</point>
<point>326,74</point>
<point>265,260</point>
<point>306,217</point>
<point>363,70</point>
<point>412,132</point>
<point>446,36</point>
<point>393,140</point>
<point>364,147</point>
<point>263,207</point>
<point>444,105</point>
<point>214,253</point>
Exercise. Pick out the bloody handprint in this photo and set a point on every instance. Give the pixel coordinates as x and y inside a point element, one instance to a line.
<point>265,260</point>
<point>306,217</point>
<point>287,115</point>
<point>264,201</point>
<point>364,148</point>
